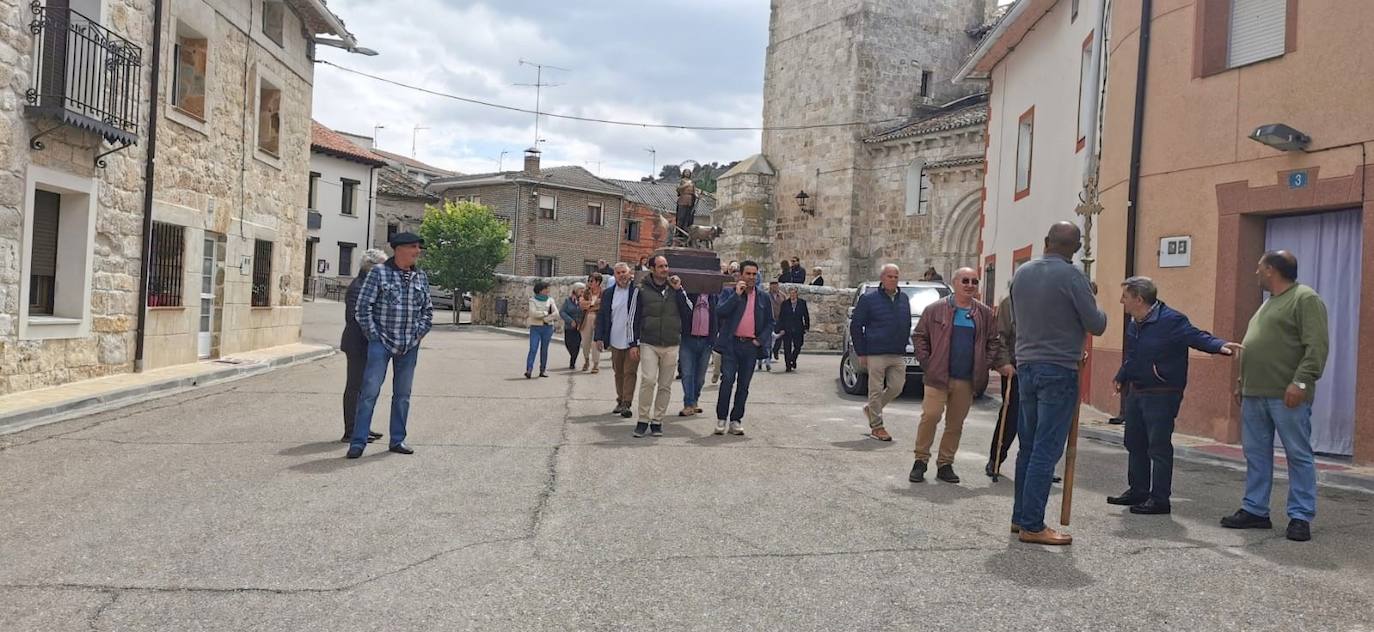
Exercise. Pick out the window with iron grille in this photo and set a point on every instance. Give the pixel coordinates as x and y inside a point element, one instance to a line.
<point>262,273</point>
<point>166,271</point>
<point>350,195</point>
<point>632,230</point>
<point>595,215</point>
<point>545,266</point>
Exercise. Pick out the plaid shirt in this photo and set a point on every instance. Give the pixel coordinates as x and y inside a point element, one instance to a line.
<point>394,307</point>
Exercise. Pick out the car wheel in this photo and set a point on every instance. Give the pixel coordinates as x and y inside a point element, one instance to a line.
<point>853,379</point>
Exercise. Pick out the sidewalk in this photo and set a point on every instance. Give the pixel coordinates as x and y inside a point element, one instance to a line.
<point>20,411</point>
<point>1093,425</point>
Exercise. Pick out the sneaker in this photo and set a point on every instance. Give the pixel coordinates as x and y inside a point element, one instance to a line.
<point>1299,530</point>
<point>946,474</point>
<point>736,428</point>
<point>656,430</point>
<point>1243,519</point>
<point>626,412</point>
<point>918,472</point>
<point>720,427</point>
<point>619,408</point>
<point>880,433</point>
<point>641,428</point>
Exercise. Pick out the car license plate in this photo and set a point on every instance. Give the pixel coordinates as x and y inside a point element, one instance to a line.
<point>909,360</point>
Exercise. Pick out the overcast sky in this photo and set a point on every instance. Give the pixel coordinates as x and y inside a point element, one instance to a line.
<point>697,63</point>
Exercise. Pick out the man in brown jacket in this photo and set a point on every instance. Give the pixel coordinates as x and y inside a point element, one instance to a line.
<point>956,341</point>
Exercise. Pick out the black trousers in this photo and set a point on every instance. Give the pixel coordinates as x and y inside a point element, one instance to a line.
<point>1149,443</point>
<point>357,363</point>
<point>1010,395</point>
<point>777,343</point>
<point>572,339</point>
<point>792,346</point>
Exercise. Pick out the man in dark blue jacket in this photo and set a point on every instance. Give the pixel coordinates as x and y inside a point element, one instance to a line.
<point>746,315</point>
<point>1154,373</point>
<point>880,329</point>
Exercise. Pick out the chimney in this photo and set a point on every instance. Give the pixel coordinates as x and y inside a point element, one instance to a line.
<point>532,161</point>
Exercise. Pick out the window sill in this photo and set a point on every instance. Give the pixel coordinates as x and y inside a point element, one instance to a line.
<point>42,321</point>
<point>267,158</point>
<point>188,120</point>
<point>349,215</point>
<point>166,308</point>
<point>260,307</point>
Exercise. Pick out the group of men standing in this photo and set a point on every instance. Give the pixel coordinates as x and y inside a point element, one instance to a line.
<point>1036,341</point>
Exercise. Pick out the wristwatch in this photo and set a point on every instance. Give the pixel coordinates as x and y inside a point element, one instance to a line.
<point>1301,385</point>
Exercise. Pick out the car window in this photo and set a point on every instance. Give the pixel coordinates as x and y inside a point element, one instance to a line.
<point>920,297</point>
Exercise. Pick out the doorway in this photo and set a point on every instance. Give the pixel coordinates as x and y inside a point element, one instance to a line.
<point>209,268</point>
<point>1329,248</point>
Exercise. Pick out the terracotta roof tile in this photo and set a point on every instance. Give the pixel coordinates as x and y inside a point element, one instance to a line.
<point>958,114</point>
<point>325,140</point>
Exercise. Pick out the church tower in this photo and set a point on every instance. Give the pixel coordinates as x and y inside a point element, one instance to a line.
<point>845,61</point>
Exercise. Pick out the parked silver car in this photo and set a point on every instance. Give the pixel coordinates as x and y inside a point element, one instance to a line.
<point>443,299</point>
<point>921,294</point>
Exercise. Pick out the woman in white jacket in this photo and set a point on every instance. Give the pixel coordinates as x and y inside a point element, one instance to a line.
<point>541,317</point>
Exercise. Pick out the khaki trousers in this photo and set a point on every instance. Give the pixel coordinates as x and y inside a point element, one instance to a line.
<point>886,378</point>
<point>657,366</point>
<point>953,404</point>
<point>624,376</point>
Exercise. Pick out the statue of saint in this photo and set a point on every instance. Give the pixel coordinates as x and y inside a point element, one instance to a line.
<point>686,203</point>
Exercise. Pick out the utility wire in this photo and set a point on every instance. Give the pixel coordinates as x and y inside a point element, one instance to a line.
<point>587,119</point>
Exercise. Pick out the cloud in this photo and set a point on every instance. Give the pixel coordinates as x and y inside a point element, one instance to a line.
<point>698,64</point>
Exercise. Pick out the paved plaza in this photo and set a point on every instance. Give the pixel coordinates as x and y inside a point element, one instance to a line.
<point>528,507</point>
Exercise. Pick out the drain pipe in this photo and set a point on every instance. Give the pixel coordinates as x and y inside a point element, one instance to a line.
<point>149,167</point>
<point>1137,134</point>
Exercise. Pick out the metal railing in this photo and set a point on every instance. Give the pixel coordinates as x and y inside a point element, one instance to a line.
<point>82,68</point>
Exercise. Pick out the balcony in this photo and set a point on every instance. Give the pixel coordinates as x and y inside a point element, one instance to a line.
<point>312,220</point>
<point>85,76</point>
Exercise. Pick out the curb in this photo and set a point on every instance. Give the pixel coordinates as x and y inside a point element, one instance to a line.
<point>11,422</point>
<point>1333,479</point>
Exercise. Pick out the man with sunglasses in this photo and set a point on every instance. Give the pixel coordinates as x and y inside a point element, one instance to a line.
<point>955,341</point>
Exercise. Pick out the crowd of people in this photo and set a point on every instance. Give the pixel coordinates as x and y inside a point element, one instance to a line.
<point>1035,339</point>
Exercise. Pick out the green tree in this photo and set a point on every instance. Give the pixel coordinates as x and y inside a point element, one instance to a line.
<point>464,242</point>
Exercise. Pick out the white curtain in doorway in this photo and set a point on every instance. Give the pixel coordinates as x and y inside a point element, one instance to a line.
<point>1328,248</point>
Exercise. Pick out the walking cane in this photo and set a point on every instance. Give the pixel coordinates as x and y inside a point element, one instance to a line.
<point>1002,431</point>
<point>1070,457</point>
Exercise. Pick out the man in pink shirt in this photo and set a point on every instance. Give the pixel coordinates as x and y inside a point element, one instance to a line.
<point>746,315</point>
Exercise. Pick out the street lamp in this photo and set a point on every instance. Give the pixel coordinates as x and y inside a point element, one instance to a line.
<point>801,198</point>
<point>352,48</point>
<point>1281,137</point>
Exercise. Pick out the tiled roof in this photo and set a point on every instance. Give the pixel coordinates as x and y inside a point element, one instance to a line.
<point>392,182</point>
<point>327,141</point>
<point>662,196</point>
<point>318,18</point>
<point>962,161</point>
<point>413,163</point>
<point>570,176</point>
<point>965,112</point>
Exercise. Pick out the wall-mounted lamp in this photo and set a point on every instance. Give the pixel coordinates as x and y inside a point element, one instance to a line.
<point>1281,137</point>
<point>802,205</point>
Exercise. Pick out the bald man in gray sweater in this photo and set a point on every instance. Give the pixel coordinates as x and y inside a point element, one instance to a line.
<point>1054,310</point>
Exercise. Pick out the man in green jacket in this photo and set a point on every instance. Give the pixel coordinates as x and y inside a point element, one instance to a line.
<point>1285,353</point>
<point>663,306</point>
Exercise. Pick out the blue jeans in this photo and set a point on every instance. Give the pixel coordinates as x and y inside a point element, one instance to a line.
<point>1149,443</point>
<point>695,355</point>
<point>1260,417</point>
<point>1049,393</point>
<point>737,360</point>
<point>539,343</point>
<point>403,375</point>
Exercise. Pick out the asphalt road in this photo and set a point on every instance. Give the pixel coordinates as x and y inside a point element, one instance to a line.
<point>527,507</point>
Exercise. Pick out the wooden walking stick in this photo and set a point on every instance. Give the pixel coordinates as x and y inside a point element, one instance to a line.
<point>1002,430</point>
<point>1070,457</point>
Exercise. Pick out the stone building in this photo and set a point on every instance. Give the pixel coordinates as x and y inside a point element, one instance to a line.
<point>645,203</point>
<point>224,217</point>
<point>401,202</point>
<point>341,200</point>
<point>847,87</point>
<point>563,219</point>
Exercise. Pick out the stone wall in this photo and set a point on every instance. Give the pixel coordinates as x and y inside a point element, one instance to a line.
<point>36,355</point>
<point>406,213</point>
<point>828,306</point>
<point>744,212</point>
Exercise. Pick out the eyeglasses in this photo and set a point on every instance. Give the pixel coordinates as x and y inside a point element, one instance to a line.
<point>968,281</point>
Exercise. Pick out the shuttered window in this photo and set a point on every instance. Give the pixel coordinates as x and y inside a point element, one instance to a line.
<point>1258,30</point>
<point>1025,139</point>
<point>43,254</point>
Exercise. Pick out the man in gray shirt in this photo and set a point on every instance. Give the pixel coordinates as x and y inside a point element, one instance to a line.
<point>1053,310</point>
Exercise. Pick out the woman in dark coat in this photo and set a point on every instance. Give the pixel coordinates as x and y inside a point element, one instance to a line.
<point>353,344</point>
<point>572,315</point>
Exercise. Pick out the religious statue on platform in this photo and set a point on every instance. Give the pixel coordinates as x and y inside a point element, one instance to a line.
<point>686,198</point>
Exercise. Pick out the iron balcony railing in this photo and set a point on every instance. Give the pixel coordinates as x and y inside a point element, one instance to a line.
<point>84,74</point>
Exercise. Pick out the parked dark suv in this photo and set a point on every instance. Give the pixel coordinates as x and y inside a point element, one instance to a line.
<point>922,294</point>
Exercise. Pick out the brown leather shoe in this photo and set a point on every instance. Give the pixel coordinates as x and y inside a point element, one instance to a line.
<point>880,433</point>
<point>1047,536</point>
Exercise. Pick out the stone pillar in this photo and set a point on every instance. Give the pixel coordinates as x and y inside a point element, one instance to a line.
<point>744,211</point>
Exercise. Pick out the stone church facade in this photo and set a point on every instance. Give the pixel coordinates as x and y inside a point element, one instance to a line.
<point>861,114</point>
